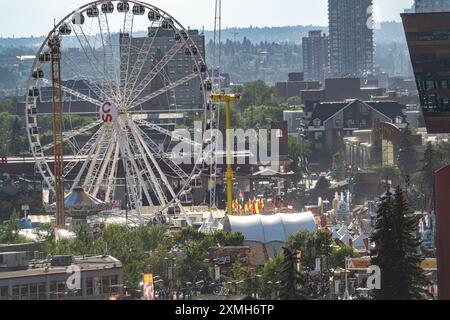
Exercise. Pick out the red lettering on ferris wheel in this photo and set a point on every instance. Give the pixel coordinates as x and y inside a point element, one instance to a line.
<point>106,117</point>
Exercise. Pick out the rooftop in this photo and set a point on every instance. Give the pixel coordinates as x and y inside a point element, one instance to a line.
<point>44,267</point>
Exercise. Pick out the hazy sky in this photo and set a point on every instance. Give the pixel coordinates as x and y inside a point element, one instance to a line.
<point>35,17</point>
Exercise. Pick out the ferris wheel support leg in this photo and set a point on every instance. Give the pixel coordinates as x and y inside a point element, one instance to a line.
<point>153,179</point>
<point>109,196</point>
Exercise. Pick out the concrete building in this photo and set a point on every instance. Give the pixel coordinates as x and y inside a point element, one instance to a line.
<point>23,279</point>
<point>340,89</point>
<point>428,40</point>
<point>421,6</point>
<point>296,120</point>
<point>315,56</point>
<point>188,96</point>
<point>351,37</point>
<point>295,84</point>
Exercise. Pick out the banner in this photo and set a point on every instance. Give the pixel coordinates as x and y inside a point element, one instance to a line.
<point>429,264</point>
<point>149,288</point>
<point>358,264</point>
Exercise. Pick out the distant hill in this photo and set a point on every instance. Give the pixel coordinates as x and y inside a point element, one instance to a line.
<point>386,32</point>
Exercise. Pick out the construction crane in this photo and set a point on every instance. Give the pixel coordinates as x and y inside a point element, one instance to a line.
<point>55,51</point>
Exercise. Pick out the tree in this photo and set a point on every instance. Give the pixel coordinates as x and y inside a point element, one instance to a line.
<point>9,233</point>
<point>16,145</point>
<point>407,155</point>
<point>322,187</point>
<point>299,151</point>
<point>338,255</point>
<point>293,283</point>
<point>338,165</point>
<point>312,245</point>
<point>429,166</point>
<point>271,275</point>
<point>397,250</point>
<point>390,172</point>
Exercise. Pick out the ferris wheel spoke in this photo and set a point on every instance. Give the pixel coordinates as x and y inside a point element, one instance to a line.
<point>97,159</point>
<point>160,65</point>
<point>109,195</point>
<point>83,153</point>
<point>147,168</point>
<point>159,154</point>
<point>125,52</point>
<point>86,153</point>
<point>141,171</point>
<point>105,33</point>
<point>74,93</point>
<point>89,53</point>
<point>173,135</point>
<point>131,185</point>
<point>144,150</point>
<point>161,91</point>
<point>142,58</point>
<point>100,176</point>
<point>72,134</point>
<point>73,66</point>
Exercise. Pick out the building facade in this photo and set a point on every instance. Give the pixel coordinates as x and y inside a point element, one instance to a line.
<point>351,37</point>
<point>315,56</point>
<point>187,96</point>
<point>100,278</point>
<point>421,6</point>
<point>330,123</point>
<point>428,37</point>
<point>295,84</point>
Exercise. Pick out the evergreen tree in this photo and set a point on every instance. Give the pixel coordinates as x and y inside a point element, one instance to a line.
<point>429,167</point>
<point>407,155</point>
<point>397,250</point>
<point>293,283</point>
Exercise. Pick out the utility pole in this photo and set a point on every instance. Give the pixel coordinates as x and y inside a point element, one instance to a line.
<point>228,98</point>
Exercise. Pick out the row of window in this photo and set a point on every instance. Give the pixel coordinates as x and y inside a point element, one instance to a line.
<point>423,85</point>
<point>58,289</point>
<point>434,103</point>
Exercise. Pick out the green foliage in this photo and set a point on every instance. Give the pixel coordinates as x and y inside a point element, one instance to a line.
<point>312,245</point>
<point>390,172</point>
<point>293,283</point>
<point>145,249</point>
<point>299,151</point>
<point>407,155</point>
<point>396,250</point>
<point>338,165</point>
<point>9,232</point>
<point>271,275</point>
<point>261,116</point>
<point>338,255</point>
<point>245,61</point>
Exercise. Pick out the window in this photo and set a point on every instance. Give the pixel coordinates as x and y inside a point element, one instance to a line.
<point>4,293</point>
<point>338,123</point>
<point>24,292</point>
<point>317,123</point>
<point>318,135</point>
<point>114,284</point>
<point>34,291</point>
<point>15,292</point>
<point>106,286</point>
<point>42,287</point>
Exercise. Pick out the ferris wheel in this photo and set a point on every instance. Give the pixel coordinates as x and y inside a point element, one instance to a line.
<point>111,77</point>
